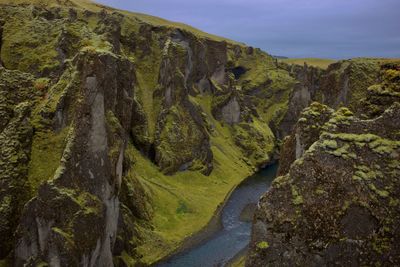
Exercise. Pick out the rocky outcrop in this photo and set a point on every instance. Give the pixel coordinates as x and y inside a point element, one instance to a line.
<point>87,182</point>
<point>335,202</point>
<point>108,117</point>
<point>304,92</point>
<point>16,134</point>
<point>343,84</point>
<point>305,133</point>
<point>85,93</point>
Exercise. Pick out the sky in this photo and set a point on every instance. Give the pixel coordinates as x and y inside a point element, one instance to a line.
<point>336,29</point>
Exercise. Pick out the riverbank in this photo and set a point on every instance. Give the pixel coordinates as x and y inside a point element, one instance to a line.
<point>225,225</point>
<point>239,259</point>
<point>213,226</point>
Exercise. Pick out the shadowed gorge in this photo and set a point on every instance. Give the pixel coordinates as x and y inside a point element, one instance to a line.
<point>123,135</point>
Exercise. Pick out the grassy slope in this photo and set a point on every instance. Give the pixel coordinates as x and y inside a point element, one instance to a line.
<point>182,207</point>
<point>316,62</point>
<point>91,5</point>
<point>185,202</point>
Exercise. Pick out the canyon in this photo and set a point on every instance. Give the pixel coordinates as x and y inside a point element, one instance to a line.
<point>122,134</point>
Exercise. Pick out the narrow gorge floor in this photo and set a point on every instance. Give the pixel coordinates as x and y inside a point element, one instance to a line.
<point>234,235</point>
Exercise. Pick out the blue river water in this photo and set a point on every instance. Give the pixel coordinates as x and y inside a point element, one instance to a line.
<point>235,234</point>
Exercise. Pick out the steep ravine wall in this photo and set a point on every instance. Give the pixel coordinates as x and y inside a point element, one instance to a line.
<point>335,201</point>
<point>344,83</point>
<point>121,134</point>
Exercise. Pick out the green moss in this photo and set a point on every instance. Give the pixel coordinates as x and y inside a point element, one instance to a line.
<point>375,142</point>
<point>280,181</point>
<point>260,68</point>
<point>181,139</point>
<point>343,152</point>
<point>342,116</point>
<point>113,122</point>
<point>256,140</point>
<point>29,44</point>
<point>381,193</point>
<point>381,245</point>
<point>147,73</point>
<point>331,144</point>
<point>320,191</point>
<point>297,198</point>
<point>315,62</point>
<point>383,146</point>
<point>41,84</point>
<point>263,245</point>
<point>68,236</point>
<point>46,153</point>
<point>185,201</point>
<point>273,98</point>
<point>365,173</point>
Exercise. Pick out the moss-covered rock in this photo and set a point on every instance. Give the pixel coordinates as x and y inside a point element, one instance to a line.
<point>305,133</point>
<point>344,83</point>
<point>336,204</point>
<point>199,112</point>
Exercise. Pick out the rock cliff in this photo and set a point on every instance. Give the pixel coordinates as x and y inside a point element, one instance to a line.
<point>114,125</point>
<point>122,133</point>
<point>336,200</point>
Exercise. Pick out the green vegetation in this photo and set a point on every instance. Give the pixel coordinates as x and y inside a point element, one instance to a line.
<point>240,262</point>
<point>262,245</point>
<point>47,150</point>
<point>258,65</point>
<point>365,173</point>
<point>315,62</point>
<point>297,197</point>
<point>26,48</point>
<point>184,202</point>
<point>376,143</point>
<point>94,7</point>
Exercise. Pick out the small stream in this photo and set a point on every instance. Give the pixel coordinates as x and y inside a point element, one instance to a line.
<point>236,220</point>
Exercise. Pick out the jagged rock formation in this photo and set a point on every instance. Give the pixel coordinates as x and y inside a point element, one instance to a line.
<point>114,126</point>
<point>343,84</point>
<point>98,107</point>
<point>336,201</point>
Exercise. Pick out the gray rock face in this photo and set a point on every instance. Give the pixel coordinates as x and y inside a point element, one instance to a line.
<point>231,112</point>
<point>339,172</point>
<point>342,84</point>
<point>85,233</point>
<point>16,133</point>
<point>304,92</point>
<point>332,207</point>
<point>306,131</point>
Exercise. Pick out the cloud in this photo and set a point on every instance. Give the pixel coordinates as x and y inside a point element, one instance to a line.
<point>295,28</point>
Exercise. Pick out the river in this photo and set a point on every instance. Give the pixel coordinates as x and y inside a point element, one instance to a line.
<point>234,235</point>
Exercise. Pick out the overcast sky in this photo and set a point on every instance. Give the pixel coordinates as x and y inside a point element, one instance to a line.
<point>293,28</point>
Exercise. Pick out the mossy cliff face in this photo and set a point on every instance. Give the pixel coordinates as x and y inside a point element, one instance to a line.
<point>122,133</point>
<point>343,83</point>
<point>373,102</point>
<point>336,200</point>
<point>16,92</point>
<point>85,186</point>
<point>305,133</point>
